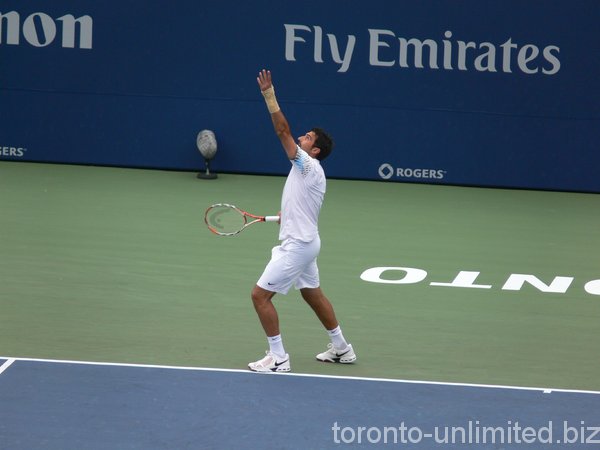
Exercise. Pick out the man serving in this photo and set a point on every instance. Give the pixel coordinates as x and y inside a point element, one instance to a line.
<point>294,261</point>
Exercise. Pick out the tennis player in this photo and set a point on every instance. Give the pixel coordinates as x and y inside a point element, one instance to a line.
<point>294,261</point>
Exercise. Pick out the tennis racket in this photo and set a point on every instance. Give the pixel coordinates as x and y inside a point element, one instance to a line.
<point>228,220</point>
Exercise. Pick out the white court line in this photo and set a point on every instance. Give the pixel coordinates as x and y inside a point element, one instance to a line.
<point>303,375</point>
<point>6,364</point>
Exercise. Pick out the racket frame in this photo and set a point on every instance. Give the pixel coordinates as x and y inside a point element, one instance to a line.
<point>246,215</point>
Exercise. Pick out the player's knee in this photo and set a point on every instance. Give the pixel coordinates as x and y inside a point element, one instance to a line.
<point>258,295</point>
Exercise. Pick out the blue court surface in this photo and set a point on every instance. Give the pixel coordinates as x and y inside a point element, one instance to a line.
<point>83,405</point>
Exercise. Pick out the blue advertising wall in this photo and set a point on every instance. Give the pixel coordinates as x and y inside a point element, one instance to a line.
<point>470,92</point>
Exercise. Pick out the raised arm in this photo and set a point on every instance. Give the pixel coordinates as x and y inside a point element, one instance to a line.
<point>280,123</point>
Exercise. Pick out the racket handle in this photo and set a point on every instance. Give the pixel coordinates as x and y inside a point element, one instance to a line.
<point>272,218</point>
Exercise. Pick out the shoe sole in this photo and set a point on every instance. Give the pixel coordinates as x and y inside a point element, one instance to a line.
<point>339,361</point>
<point>287,369</point>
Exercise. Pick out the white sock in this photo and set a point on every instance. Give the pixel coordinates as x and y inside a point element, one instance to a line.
<point>337,338</point>
<point>276,346</point>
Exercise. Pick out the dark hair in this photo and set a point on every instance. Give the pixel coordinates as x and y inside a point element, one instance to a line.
<point>323,142</point>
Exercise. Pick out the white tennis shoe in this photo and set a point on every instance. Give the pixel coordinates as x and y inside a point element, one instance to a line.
<point>270,363</point>
<point>345,356</point>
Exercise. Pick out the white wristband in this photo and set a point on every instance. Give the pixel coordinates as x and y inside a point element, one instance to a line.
<point>269,95</point>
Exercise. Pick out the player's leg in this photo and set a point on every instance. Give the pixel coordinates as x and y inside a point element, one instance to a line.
<point>276,359</point>
<point>267,314</point>
<point>338,350</point>
<point>274,279</point>
<point>321,306</point>
<point>309,284</point>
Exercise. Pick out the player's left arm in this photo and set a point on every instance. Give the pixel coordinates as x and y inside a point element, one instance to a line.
<point>280,123</point>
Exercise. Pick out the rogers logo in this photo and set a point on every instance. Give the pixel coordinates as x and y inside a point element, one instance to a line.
<point>387,171</point>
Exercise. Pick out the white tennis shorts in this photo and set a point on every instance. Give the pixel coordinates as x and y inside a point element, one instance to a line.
<point>292,263</point>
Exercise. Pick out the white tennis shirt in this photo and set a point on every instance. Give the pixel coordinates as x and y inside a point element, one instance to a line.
<point>302,198</point>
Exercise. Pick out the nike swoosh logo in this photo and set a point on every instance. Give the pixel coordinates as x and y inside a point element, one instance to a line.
<point>270,284</point>
<point>277,364</point>
<point>341,354</point>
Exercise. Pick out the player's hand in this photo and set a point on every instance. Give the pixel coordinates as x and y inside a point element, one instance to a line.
<point>264,79</point>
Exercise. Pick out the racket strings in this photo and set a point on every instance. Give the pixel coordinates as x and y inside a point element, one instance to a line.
<point>224,219</point>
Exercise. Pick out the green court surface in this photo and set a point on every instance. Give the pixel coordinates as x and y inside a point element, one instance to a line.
<point>116,265</point>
